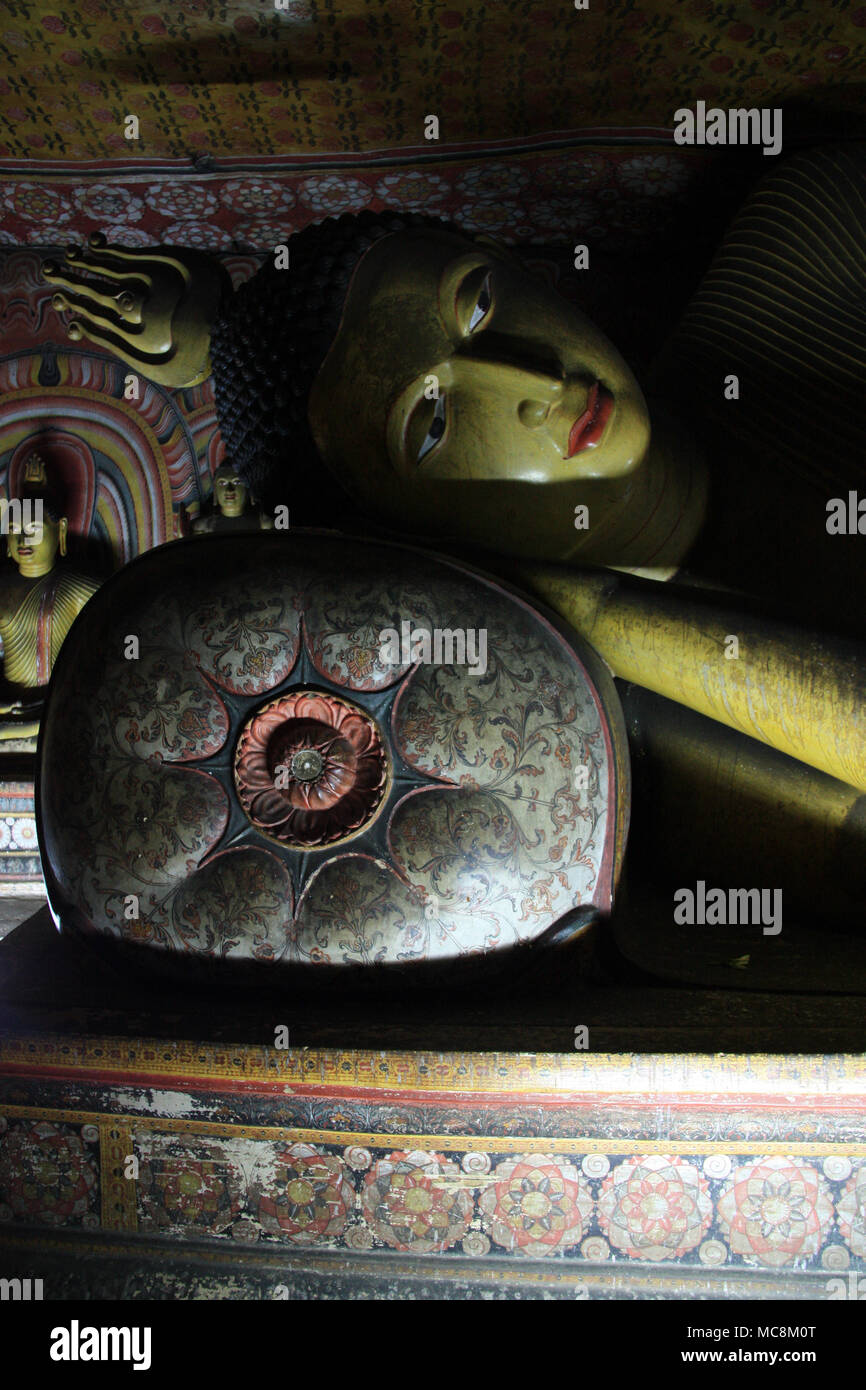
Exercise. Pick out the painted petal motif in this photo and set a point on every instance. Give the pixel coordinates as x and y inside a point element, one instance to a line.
<point>304,1196</point>
<point>48,1176</point>
<point>199,1191</point>
<point>168,710</point>
<point>160,706</point>
<point>238,903</point>
<point>538,1205</point>
<point>409,1209</point>
<point>356,911</point>
<point>344,629</point>
<point>246,643</point>
<point>655,1208</point>
<point>140,828</point>
<point>492,868</point>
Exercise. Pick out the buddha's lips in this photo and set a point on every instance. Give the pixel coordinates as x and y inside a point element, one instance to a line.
<point>589,427</point>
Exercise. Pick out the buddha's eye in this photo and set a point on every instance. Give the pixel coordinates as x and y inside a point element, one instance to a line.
<point>482,304</point>
<point>474,300</point>
<point>436,430</point>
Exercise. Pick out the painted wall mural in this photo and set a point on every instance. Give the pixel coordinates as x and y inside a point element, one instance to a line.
<point>20,868</point>
<point>125,467</point>
<point>126,462</point>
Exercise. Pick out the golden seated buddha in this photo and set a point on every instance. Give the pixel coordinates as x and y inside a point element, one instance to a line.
<point>233,510</point>
<point>39,602</point>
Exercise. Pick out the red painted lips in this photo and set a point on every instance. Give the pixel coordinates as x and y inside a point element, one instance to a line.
<point>589,427</point>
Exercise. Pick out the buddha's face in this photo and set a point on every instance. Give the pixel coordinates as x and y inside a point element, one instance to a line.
<point>34,545</point>
<point>454,364</point>
<point>230,491</point>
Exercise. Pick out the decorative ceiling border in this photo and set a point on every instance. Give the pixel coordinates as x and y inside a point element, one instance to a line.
<point>197,165</point>
<point>615,195</point>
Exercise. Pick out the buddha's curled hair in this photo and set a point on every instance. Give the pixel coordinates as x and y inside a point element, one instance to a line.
<point>267,345</point>
<point>48,494</point>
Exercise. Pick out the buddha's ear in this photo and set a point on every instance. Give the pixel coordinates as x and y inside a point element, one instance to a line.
<point>62,528</point>
<point>484,240</point>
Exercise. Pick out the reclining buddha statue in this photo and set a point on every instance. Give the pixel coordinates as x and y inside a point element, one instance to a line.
<point>388,370</point>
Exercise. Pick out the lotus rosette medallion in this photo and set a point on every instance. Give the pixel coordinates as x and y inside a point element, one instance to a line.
<point>310,769</point>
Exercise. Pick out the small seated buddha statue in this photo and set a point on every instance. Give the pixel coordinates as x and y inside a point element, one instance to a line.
<point>40,600</point>
<point>234,510</point>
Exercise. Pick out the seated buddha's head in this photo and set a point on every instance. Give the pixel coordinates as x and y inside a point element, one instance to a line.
<point>36,528</point>
<point>230,491</point>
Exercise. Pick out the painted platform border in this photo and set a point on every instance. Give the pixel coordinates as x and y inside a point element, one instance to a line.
<point>798,1080</point>
<point>749,1163</point>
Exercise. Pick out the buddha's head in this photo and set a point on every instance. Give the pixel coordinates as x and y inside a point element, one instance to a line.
<point>36,528</point>
<point>448,390</point>
<point>230,491</point>
<point>452,361</point>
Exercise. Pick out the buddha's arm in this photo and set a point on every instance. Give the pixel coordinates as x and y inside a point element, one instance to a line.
<point>799,692</point>
<point>710,803</point>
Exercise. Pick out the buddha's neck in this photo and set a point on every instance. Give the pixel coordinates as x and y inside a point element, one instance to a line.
<point>651,525</point>
<point>36,569</point>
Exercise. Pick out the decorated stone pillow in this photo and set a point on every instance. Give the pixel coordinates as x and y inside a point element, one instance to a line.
<point>303,750</point>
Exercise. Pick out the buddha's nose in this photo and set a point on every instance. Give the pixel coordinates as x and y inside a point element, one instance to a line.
<point>532,387</point>
<point>538,394</point>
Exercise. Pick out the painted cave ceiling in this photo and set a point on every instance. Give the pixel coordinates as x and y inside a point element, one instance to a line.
<point>241,79</point>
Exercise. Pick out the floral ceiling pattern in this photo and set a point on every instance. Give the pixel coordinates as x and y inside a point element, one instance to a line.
<point>243,77</point>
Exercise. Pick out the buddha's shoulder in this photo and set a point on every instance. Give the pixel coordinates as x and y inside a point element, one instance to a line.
<point>75,587</point>
<point>820,194</point>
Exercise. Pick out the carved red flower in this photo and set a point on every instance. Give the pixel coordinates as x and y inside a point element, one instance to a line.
<point>310,769</point>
